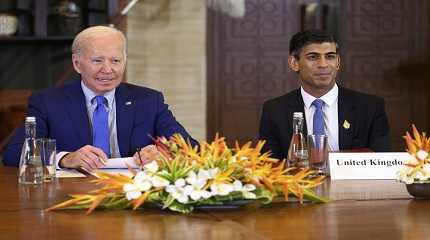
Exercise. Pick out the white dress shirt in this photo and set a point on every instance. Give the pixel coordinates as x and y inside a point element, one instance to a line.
<point>111,109</point>
<point>330,110</point>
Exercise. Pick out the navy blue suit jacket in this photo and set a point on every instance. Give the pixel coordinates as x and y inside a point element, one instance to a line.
<point>61,114</point>
<point>366,114</point>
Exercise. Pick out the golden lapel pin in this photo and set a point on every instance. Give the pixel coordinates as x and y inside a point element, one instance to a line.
<point>346,124</point>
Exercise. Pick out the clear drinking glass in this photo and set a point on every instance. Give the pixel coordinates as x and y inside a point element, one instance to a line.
<point>318,153</point>
<point>48,153</point>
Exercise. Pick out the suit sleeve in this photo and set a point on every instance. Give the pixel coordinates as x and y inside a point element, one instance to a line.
<point>379,140</point>
<point>268,133</point>
<point>166,124</point>
<point>36,107</point>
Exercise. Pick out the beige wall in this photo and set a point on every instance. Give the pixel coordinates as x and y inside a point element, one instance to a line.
<point>167,52</point>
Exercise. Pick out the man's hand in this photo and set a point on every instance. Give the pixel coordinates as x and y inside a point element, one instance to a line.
<point>146,155</point>
<point>88,157</point>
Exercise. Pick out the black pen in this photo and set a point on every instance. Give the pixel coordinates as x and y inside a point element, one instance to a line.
<point>140,159</point>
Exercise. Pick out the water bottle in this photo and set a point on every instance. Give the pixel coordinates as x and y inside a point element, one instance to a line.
<point>30,165</point>
<point>297,152</point>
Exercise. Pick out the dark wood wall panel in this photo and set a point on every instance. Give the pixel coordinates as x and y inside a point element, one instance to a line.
<point>247,64</point>
<point>378,39</point>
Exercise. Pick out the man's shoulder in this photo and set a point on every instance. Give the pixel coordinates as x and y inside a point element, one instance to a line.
<point>138,90</point>
<point>359,97</point>
<point>56,91</point>
<point>290,97</point>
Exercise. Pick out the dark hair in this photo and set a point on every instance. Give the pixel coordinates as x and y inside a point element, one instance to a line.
<point>304,38</point>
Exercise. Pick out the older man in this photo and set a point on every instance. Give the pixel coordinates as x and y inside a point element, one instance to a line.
<point>98,116</point>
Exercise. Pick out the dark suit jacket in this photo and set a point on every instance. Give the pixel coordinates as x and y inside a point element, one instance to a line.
<point>365,113</point>
<point>61,114</point>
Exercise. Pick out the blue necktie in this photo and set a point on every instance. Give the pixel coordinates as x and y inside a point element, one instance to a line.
<point>318,121</point>
<point>101,126</point>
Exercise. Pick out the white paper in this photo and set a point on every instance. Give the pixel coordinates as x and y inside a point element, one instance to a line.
<point>366,165</point>
<point>68,173</point>
<point>113,163</point>
<point>72,173</point>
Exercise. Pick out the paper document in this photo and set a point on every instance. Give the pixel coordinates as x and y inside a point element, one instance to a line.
<point>120,163</point>
<point>113,165</point>
<point>68,173</point>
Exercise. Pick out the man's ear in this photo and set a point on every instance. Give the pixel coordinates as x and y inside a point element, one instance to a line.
<point>338,62</point>
<point>293,63</point>
<point>76,63</point>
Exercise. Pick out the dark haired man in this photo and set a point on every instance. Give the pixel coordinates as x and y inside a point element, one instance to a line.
<point>350,119</point>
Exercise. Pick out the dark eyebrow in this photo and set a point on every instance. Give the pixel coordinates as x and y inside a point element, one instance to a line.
<point>317,53</point>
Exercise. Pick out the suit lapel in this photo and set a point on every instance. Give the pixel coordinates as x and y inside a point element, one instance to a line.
<point>124,123</point>
<point>346,110</point>
<point>296,104</point>
<point>78,114</point>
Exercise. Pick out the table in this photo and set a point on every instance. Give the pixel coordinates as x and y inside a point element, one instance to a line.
<point>365,209</point>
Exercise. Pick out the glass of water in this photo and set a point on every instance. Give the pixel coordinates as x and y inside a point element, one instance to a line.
<point>48,153</point>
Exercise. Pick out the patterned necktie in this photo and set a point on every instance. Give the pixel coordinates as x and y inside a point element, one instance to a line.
<point>100,126</point>
<point>318,121</point>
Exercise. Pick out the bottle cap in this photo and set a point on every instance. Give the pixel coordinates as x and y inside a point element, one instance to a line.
<point>30,119</point>
<point>298,114</point>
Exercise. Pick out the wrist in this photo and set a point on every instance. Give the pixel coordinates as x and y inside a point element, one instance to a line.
<point>62,159</point>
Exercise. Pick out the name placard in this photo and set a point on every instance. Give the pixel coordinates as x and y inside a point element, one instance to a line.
<point>366,165</point>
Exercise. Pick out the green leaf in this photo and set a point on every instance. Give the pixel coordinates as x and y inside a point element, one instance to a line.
<point>166,176</point>
<point>263,195</point>
<point>154,197</point>
<point>310,195</point>
<point>121,203</point>
<point>169,201</point>
<point>179,207</point>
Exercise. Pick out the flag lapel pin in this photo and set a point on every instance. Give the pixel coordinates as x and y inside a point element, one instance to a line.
<point>346,124</point>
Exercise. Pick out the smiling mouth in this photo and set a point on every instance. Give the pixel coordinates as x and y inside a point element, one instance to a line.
<point>104,79</point>
<point>322,74</point>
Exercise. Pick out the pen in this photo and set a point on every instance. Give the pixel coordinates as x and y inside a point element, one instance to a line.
<point>86,171</point>
<point>103,161</point>
<point>140,159</point>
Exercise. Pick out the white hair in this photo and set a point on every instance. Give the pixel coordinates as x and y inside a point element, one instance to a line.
<point>96,31</point>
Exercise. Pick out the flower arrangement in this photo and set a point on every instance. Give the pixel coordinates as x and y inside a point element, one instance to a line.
<point>417,168</point>
<point>183,177</point>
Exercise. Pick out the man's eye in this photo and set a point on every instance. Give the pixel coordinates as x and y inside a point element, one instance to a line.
<point>96,61</point>
<point>312,57</point>
<point>331,56</point>
<point>116,61</point>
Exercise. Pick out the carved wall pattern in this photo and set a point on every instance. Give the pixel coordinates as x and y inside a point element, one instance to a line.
<point>251,65</point>
<point>378,38</point>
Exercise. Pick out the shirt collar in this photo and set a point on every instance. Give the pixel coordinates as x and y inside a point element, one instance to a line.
<point>89,95</point>
<point>329,98</point>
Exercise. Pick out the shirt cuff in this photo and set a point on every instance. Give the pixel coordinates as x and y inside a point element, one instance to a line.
<point>59,156</point>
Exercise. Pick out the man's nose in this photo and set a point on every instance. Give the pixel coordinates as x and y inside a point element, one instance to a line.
<point>323,62</point>
<point>107,67</point>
